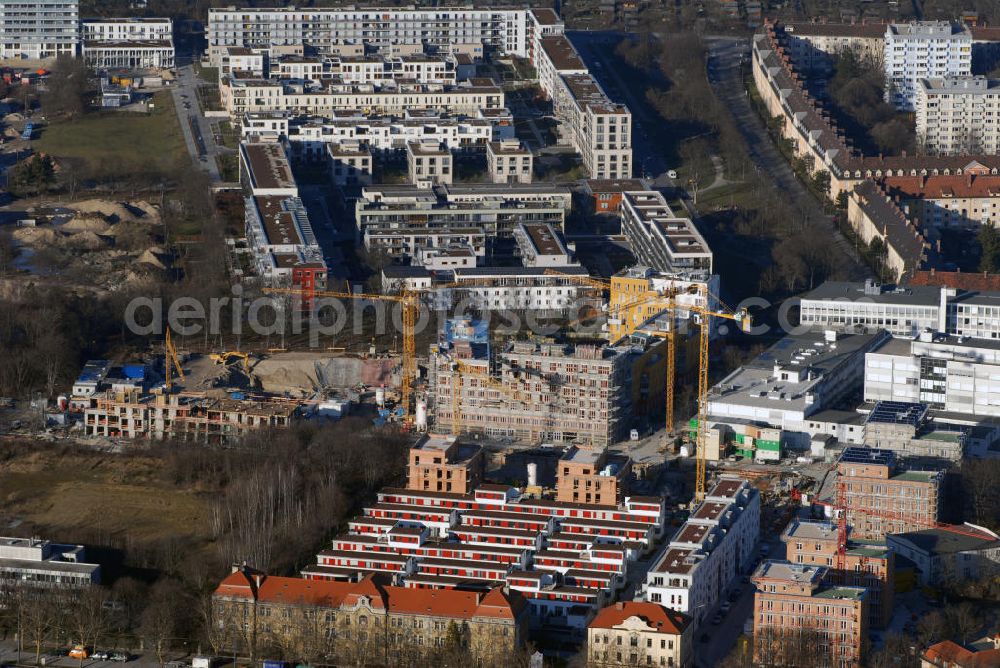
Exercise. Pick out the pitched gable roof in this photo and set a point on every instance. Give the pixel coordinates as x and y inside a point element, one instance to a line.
<point>658,618</point>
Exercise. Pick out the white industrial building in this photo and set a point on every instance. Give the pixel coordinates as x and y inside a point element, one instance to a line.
<point>923,50</point>
<point>958,115</point>
<point>42,563</point>
<point>903,311</point>
<point>956,374</point>
<point>793,380</point>
<point>659,238</point>
<point>710,550</point>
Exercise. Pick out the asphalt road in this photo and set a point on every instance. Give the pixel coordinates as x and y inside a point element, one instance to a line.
<point>727,81</point>
<point>196,129</point>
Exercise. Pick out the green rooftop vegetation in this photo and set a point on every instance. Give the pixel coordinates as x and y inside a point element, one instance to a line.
<point>852,593</point>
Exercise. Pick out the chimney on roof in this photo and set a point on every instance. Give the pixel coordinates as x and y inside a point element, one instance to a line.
<point>968,179</point>
<point>619,605</point>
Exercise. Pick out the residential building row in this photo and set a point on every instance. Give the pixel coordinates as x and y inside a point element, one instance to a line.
<point>398,220</point>
<point>599,129</point>
<point>309,137</point>
<point>935,202</point>
<point>659,238</point>
<point>480,30</point>
<point>567,559</point>
<point>816,138</point>
<point>705,557</point>
<point>371,617</point>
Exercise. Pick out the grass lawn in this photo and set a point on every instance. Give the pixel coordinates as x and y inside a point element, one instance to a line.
<point>122,138</point>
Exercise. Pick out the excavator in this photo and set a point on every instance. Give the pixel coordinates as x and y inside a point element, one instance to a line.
<point>228,356</point>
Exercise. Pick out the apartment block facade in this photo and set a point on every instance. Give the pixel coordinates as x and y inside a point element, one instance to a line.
<point>868,565</point>
<point>958,115</point>
<point>710,550</point>
<point>39,29</point>
<point>637,633</point>
<point>369,618</point>
<point>509,161</point>
<point>659,238</point>
<point>587,475</point>
<point>143,43</point>
<point>447,29</point>
<point>796,613</point>
<point>923,50</point>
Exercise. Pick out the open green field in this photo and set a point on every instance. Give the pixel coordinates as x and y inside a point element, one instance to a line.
<point>119,138</point>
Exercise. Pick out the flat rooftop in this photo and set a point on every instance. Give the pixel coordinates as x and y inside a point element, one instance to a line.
<point>268,166</point>
<point>796,573</point>
<point>544,238</point>
<point>562,54</point>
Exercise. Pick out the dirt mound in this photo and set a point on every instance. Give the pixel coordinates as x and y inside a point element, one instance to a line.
<point>33,236</point>
<point>86,223</point>
<point>297,372</point>
<point>85,241</point>
<point>113,212</point>
<point>152,259</point>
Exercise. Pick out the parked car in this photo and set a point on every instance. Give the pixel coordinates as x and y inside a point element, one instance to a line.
<point>101,655</point>
<point>78,652</point>
<point>671,173</point>
<point>121,657</point>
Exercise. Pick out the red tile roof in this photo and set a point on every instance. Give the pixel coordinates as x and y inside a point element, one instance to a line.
<point>401,600</point>
<point>948,653</point>
<point>973,282</point>
<point>658,618</point>
<point>936,187</point>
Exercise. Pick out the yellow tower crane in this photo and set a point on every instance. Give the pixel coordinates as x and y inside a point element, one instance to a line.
<point>667,302</point>
<point>170,362</point>
<point>409,301</point>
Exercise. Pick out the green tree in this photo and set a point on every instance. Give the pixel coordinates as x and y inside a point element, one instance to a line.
<point>989,244</point>
<point>32,176</point>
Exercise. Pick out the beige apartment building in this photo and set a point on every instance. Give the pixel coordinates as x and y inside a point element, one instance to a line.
<point>429,162</point>
<point>637,633</point>
<point>590,475</point>
<point>509,161</point>
<point>796,615</point>
<point>442,464</point>
<point>880,497</point>
<point>868,565</point>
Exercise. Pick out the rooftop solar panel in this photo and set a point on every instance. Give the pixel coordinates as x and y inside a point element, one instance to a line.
<point>856,455</point>
<point>898,412</point>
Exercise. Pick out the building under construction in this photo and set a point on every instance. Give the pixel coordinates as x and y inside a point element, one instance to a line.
<point>544,392</point>
<point>186,416</point>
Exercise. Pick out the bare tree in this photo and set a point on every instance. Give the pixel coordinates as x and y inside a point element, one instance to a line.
<point>159,619</point>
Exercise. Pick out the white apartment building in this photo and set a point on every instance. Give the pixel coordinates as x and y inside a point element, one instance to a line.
<point>959,115</point>
<point>242,95</point>
<point>793,380</point>
<point>387,215</point>
<point>39,29</point>
<point>522,289</point>
<point>128,43</point>
<point>265,170</point>
<point>541,245</point>
<point>659,238</point>
<point>710,550</point>
<point>420,68</point>
<point>509,161</point>
<point>902,311</point>
<point>429,163</point>
<point>241,59</point>
<point>949,373</point>
<point>471,30</point>
<point>309,136</point>
<point>350,163</point>
<point>599,129</point>
<point>42,563</point>
<point>411,242</point>
<point>923,50</point>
